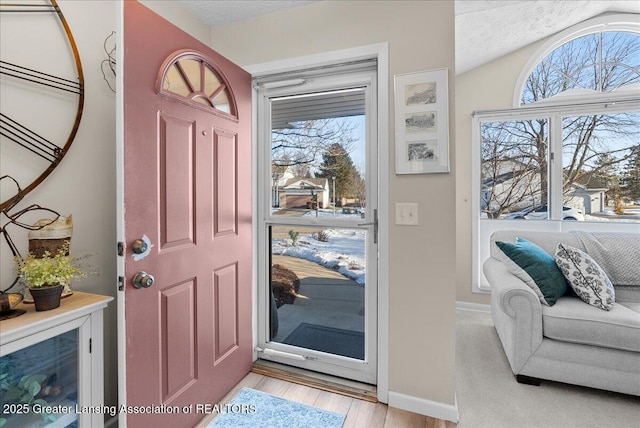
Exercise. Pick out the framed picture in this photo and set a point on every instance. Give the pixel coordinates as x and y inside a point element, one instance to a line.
<point>422,122</point>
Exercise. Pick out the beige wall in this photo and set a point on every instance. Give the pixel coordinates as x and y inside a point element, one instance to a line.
<point>422,270</point>
<point>487,87</point>
<point>84,183</point>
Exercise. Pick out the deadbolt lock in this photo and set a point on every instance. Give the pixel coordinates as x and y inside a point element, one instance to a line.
<point>139,246</point>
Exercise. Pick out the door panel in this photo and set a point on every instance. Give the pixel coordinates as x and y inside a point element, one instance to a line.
<point>226,310</point>
<point>177,185</point>
<point>226,190</point>
<point>187,188</point>
<point>178,338</point>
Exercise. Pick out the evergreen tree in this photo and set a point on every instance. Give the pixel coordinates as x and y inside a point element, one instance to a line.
<point>337,163</point>
<point>606,172</point>
<point>630,181</point>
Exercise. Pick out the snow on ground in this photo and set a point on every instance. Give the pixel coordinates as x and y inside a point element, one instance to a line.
<point>344,251</point>
<point>629,216</point>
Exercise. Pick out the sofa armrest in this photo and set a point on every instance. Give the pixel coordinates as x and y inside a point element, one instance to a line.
<point>516,313</point>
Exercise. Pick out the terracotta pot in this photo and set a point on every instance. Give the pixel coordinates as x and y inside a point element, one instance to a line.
<point>47,297</point>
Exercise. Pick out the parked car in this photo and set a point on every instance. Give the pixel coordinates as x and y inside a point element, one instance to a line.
<point>540,213</point>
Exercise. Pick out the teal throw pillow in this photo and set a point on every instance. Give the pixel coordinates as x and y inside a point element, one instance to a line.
<point>536,268</point>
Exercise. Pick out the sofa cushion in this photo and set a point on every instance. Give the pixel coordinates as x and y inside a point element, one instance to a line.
<point>570,320</point>
<point>585,277</point>
<point>617,253</point>
<point>634,306</point>
<point>536,268</point>
<point>627,293</point>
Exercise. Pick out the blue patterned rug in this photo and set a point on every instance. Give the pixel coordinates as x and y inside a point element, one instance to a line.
<point>255,409</point>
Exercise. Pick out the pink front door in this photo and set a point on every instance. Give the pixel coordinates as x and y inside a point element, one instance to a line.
<point>187,189</point>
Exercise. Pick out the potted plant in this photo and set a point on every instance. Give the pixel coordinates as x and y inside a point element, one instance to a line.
<point>46,276</point>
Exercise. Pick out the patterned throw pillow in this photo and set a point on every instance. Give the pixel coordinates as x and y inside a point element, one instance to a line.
<point>585,277</point>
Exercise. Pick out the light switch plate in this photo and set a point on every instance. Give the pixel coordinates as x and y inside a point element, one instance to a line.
<point>407,213</point>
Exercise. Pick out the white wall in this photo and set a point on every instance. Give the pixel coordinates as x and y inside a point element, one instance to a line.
<point>84,183</point>
<point>422,271</point>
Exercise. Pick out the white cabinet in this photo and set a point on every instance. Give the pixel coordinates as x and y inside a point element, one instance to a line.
<point>53,360</point>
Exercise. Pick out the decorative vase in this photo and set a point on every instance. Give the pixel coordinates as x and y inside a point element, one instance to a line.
<point>47,297</point>
<point>8,301</point>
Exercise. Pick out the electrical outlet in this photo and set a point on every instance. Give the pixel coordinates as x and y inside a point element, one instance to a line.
<point>407,214</point>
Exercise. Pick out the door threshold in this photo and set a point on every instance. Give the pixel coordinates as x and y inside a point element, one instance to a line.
<point>350,388</point>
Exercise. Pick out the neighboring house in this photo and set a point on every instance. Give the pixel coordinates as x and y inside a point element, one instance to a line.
<point>280,176</point>
<point>520,185</point>
<point>514,186</point>
<point>588,200</point>
<point>589,194</point>
<point>301,192</point>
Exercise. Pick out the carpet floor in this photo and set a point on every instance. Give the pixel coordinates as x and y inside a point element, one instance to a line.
<point>489,396</point>
<point>336,341</point>
<point>257,409</point>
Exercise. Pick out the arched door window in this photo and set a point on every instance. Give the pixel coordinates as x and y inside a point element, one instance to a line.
<point>193,78</point>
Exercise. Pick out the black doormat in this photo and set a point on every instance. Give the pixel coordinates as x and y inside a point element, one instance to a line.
<point>328,339</point>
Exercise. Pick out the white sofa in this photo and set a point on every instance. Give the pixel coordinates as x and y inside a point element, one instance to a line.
<point>571,341</point>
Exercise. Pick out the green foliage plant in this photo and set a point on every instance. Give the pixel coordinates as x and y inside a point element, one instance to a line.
<point>293,234</point>
<point>25,391</point>
<point>50,270</point>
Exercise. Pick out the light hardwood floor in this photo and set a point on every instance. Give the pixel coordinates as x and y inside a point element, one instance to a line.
<point>360,413</point>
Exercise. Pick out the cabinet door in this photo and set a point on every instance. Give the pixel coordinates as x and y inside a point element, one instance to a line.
<point>45,377</point>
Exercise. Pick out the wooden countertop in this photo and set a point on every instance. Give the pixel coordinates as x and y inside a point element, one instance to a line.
<point>77,305</point>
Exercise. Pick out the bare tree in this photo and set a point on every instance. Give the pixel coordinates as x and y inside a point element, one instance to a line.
<point>516,151</point>
<point>512,167</point>
<point>305,143</point>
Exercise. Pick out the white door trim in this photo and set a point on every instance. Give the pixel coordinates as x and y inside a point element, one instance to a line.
<point>121,325</point>
<point>381,52</point>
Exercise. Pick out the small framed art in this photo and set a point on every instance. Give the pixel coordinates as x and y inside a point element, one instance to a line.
<point>422,122</point>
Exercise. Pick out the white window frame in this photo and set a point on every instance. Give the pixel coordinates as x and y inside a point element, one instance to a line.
<point>381,53</point>
<point>553,109</point>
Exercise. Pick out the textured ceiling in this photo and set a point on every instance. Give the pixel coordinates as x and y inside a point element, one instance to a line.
<point>221,12</point>
<point>485,29</point>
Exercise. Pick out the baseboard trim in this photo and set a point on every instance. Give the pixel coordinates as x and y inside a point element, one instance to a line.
<point>447,412</point>
<point>477,307</point>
